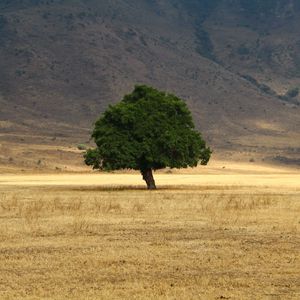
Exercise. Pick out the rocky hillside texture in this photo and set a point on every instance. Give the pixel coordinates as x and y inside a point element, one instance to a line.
<point>236,62</point>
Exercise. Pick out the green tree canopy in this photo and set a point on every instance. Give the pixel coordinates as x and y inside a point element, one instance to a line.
<point>147,130</point>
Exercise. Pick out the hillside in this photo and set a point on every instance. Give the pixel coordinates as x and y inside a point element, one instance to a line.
<point>62,62</point>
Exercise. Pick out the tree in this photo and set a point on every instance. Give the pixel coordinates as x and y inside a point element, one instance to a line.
<point>147,130</point>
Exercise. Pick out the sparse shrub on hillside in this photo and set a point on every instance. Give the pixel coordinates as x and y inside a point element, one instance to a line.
<point>3,22</point>
<point>290,95</point>
<point>263,87</point>
<point>265,54</point>
<point>260,9</point>
<point>201,9</point>
<point>147,130</point>
<point>243,50</point>
<point>81,15</point>
<point>20,73</point>
<point>292,92</point>
<point>81,147</point>
<point>250,79</point>
<point>46,15</point>
<point>266,89</point>
<point>204,44</point>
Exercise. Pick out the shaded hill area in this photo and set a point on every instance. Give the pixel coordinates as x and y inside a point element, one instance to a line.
<point>236,63</point>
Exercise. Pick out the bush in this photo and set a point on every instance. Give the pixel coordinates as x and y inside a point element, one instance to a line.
<point>81,147</point>
<point>243,50</point>
<point>293,92</point>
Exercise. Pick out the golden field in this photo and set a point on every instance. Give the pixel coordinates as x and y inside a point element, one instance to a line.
<point>212,233</point>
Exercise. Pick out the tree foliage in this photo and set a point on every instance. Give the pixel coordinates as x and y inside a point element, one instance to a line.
<point>147,130</point>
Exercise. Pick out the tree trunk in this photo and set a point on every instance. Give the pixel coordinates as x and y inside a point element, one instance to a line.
<point>148,177</point>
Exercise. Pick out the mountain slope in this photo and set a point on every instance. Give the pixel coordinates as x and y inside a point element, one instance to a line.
<point>63,62</point>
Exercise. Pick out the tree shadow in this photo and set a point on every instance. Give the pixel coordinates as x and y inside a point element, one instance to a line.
<point>117,188</point>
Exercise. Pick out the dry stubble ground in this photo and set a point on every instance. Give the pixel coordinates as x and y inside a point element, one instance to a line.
<point>208,241</point>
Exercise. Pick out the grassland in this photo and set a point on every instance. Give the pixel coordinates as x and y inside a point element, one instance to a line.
<point>214,236</point>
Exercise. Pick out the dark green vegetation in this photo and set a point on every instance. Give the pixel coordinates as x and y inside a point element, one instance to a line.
<point>147,130</point>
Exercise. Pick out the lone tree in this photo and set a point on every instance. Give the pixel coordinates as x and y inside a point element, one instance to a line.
<point>147,130</point>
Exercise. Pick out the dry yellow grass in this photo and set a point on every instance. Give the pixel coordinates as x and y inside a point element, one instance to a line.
<point>67,237</point>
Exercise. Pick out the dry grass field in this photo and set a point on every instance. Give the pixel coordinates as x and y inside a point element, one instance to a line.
<point>219,235</point>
